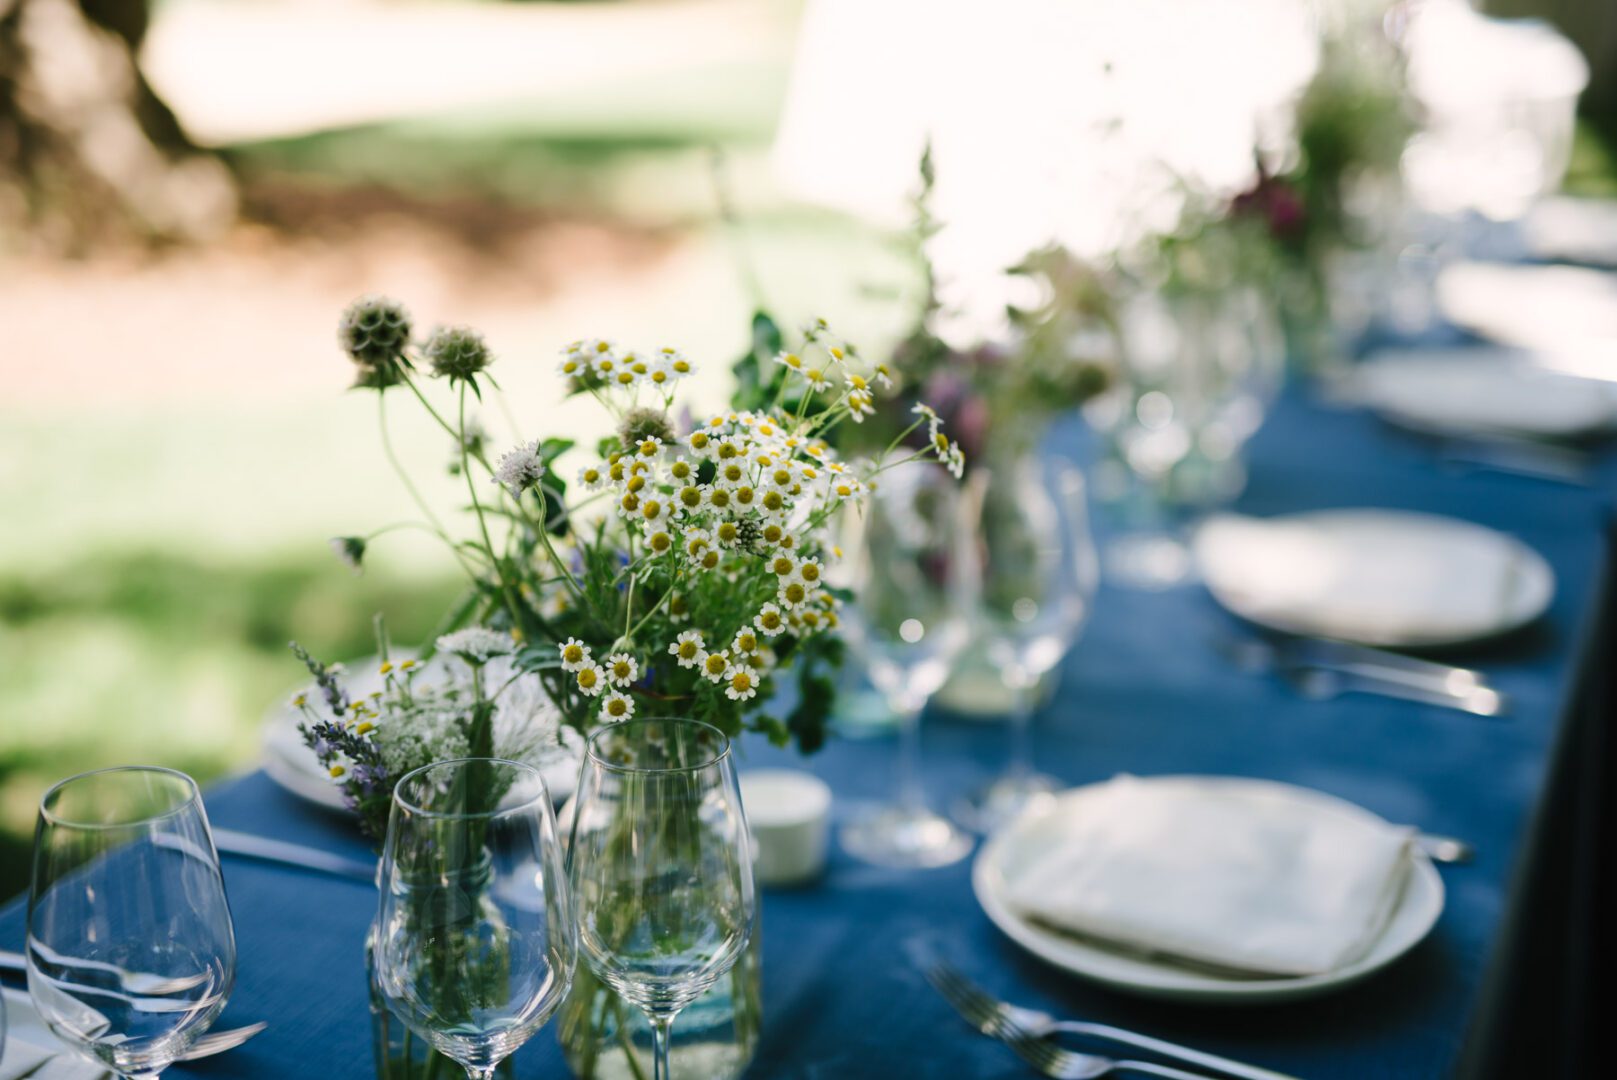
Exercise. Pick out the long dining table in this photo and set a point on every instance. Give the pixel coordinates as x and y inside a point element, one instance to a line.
<point>1503,974</point>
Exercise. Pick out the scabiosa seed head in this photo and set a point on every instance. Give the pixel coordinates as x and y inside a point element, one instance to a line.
<point>373,331</point>
<point>457,352</point>
<point>642,423</point>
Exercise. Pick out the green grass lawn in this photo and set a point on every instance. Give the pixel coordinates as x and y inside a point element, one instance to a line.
<point>165,659</point>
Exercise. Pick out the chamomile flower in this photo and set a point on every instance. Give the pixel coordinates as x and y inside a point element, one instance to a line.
<point>701,444</point>
<point>660,542</point>
<point>782,565</point>
<point>817,379</point>
<point>882,377</point>
<point>654,511</point>
<point>697,541</point>
<point>339,770</point>
<point>728,534</point>
<point>715,664</point>
<point>769,620</point>
<point>955,461</point>
<point>574,654</point>
<point>649,447</point>
<point>688,649</point>
<point>861,403</point>
<point>676,363</point>
<point>622,669</point>
<point>718,498</point>
<point>592,478</point>
<point>792,593</point>
<point>681,471</point>
<point>746,640</point>
<point>809,572</point>
<point>790,360</point>
<point>772,532</point>
<point>740,683</point>
<point>590,677</point>
<point>573,361</point>
<point>617,707</point>
<point>774,504</point>
<point>844,487</point>
<point>689,498</point>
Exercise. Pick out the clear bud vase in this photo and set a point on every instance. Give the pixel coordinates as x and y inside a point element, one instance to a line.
<point>605,1038</point>
<point>399,1053</point>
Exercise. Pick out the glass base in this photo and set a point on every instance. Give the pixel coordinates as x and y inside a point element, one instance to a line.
<point>894,836</point>
<point>991,807</point>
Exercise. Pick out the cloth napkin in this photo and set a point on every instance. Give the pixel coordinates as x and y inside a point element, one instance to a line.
<point>1247,878</point>
<point>31,1050</point>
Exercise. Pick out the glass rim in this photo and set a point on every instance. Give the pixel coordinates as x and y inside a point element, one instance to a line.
<point>193,797</point>
<point>616,766</point>
<point>499,811</point>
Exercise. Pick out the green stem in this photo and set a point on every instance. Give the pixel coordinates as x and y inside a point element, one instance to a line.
<point>482,522</point>
<point>436,526</point>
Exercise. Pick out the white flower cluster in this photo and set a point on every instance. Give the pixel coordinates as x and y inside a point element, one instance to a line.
<point>600,360</point>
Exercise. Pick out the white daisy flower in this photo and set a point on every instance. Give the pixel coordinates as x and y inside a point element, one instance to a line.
<point>746,641</point>
<point>574,654</point>
<point>660,542</point>
<point>715,664</point>
<point>622,669</point>
<point>688,649</point>
<point>681,471</point>
<point>702,444</point>
<point>790,360</point>
<point>769,620</point>
<point>339,770</point>
<point>574,360</point>
<point>740,683</point>
<point>689,499</point>
<point>792,594</point>
<point>882,377</point>
<point>844,487</point>
<point>590,677</point>
<point>676,363</point>
<point>655,510</point>
<point>696,540</point>
<point>809,572</point>
<point>592,477</point>
<point>617,707</point>
<point>816,378</point>
<point>861,403</point>
<point>955,461</point>
<point>520,469</point>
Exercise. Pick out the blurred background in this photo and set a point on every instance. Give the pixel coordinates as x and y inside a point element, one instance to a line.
<point>191,191</point>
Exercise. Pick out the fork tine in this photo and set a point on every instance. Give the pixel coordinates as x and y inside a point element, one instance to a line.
<point>947,983</point>
<point>1042,1056</point>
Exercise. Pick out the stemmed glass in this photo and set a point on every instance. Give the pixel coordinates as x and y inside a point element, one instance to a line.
<point>476,942</point>
<point>131,950</point>
<point>1039,572</point>
<point>661,866</point>
<point>906,560</point>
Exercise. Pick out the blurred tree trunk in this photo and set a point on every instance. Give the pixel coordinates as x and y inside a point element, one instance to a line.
<point>88,151</point>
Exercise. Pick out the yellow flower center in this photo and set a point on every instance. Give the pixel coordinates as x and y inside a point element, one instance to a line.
<point>617,707</point>
<point>573,653</point>
<point>719,498</point>
<point>621,669</point>
<point>772,533</point>
<point>587,679</point>
<point>727,532</point>
<point>690,497</point>
<point>652,509</point>
<point>773,501</point>
<point>741,682</point>
<point>746,642</point>
<point>687,650</point>
<point>636,482</point>
<point>782,565</point>
<point>714,664</point>
<point>592,476</point>
<point>660,542</point>
<point>699,439</point>
<point>625,378</point>
<point>810,572</point>
<point>681,470</point>
<point>630,502</point>
<point>710,560</point>
<point>770,619</point>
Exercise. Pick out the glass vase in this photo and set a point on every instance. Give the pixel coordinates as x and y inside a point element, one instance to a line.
<point>605,1038</point>
<point>398,1052</point>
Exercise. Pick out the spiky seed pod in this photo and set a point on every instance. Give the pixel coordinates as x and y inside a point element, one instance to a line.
<point>643,423</point>
<point>457,352</point>
<point>374,331</point>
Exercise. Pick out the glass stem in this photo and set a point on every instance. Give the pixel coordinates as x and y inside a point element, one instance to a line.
<point>485,1073</point>
<point>911,795</point>
<point>1021,720</point>
<point>662,1027</point>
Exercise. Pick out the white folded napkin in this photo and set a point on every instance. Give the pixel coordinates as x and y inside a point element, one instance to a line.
<point>32,1051</point>
<point>1244,877</point>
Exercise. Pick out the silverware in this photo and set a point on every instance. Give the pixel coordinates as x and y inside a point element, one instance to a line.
<point>263,849</point>
<point>1014,1024</point>
<point>1518,457</point>
<point>217,1042</point>
<point>214,1042</point>
<point>1053,1061</point>
<point>1445,849</point>
<point>1324,669</point>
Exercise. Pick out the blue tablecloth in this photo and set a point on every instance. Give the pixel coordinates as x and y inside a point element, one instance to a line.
<point>1142,693</point>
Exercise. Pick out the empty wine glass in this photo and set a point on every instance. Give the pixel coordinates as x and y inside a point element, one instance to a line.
<point>661,866</point>
<point>475,940</point>
<point>131,951</point>
<point>906,561</point>
<point>1038,572</point>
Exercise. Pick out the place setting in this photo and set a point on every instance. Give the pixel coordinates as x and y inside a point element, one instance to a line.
<point>707,540</point>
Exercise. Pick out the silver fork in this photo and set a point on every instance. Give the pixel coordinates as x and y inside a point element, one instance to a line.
<point>1053,1061</point>
<point>1011,1023</point>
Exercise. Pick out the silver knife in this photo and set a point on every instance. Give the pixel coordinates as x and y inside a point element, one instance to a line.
<point>263,849</point>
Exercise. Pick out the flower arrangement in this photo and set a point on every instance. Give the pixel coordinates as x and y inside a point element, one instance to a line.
<point>680,571</point>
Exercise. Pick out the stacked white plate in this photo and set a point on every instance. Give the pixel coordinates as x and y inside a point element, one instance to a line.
<point>1483,389</point>
<point>1007,857</point>
<point>1387,578</point>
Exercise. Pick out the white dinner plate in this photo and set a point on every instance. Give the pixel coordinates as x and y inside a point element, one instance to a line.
<point>1417,911</point>
<point>292,765</point>
<point>1387,578</point>
<point>1481,389</point>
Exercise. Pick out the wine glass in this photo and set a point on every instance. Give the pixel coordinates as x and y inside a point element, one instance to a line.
<point>476,942</point>
<point>1039,572</point>
<point>661,866</point>
<point>131,950</point>
<point>907,564</point>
